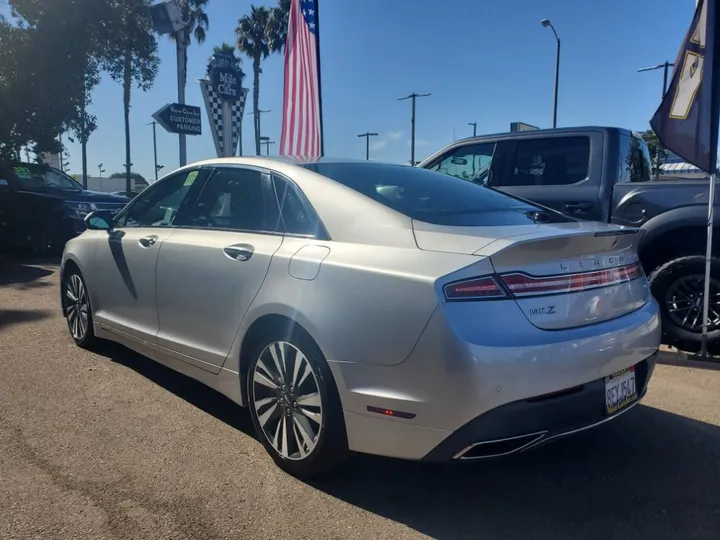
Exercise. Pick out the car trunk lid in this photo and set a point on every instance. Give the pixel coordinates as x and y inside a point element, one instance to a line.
<point>561,275</point>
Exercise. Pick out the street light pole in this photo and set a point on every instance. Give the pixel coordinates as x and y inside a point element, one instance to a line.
<point>367,136</point>
<point>474,125</point>
<point>154,124</point>
<point>665,67</point>
<point>267,142</point>
<point>546,23</point>
<point>257,114</point>
<point>412,96</point>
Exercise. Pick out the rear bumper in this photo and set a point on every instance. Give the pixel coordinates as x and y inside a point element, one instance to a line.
<point>460,388</point>
<point>521,425</point>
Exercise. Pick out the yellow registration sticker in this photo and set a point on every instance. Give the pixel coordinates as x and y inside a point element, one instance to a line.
<point>190,178</point>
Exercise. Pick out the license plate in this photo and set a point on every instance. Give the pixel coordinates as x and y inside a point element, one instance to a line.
<point>620,390</point>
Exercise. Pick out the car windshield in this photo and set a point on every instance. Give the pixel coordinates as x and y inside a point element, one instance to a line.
<point>34,177</point>
<point>433,197</point>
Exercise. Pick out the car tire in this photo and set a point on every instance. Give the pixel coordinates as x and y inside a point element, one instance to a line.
<point>675,284</point>
<point>303,428</point>
<point>77,310</point>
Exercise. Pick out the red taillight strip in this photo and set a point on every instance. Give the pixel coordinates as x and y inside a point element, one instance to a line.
<point>520,284</point>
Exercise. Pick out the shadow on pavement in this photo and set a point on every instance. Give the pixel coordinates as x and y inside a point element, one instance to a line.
<point>684,359</point>
<point>9,317</point>
<point>195,393</point>
<point>648,474</point>
<point>23,274</point>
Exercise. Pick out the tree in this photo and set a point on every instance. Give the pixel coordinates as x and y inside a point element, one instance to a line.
<point>131,57</point>
<point>72,69</point>
<point>224,48</point>
<point>193,13</point>
<point>252,41</point>
<point>278,26</point>
<point>135,176</point>
<point>658,154</point>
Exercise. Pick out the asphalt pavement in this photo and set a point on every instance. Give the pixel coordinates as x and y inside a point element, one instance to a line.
<point>111,445</point>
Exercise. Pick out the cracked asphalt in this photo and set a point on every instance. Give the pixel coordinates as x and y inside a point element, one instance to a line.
<point>110,445</point>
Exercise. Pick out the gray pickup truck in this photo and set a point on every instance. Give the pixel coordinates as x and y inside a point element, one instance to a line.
<point>604,174</point>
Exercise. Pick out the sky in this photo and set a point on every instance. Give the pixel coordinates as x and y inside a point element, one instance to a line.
<point>490,62</point>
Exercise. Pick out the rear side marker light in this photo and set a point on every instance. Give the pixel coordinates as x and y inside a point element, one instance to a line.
<point>390,412</point>
<point>522,285</point>
<point>481,288</point>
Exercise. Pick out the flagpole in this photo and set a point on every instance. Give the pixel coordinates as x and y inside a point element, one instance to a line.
<point>708,264</point>
<point>317,43</point>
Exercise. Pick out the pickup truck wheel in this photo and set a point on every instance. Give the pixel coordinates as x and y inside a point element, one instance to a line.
<point>678,287</point>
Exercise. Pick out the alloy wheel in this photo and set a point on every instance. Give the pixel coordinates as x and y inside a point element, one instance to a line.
<point>684,303</point>
<point>77,307</point>
<point>287,400</point>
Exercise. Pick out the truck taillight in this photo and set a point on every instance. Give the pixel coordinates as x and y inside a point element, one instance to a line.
<point>480,288</point>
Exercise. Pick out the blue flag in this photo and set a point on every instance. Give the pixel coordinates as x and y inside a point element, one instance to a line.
<point>687,120</point>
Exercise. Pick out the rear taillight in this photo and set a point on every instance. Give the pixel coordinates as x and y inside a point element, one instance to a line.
<point>481,288</point>
<point>522,285</point>
<point>525,285</point>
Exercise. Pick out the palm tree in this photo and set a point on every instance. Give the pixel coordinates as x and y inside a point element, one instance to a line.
<point>224,48</point>
<point>278,27</point>
<point>193,12</point>
<point>252,41</point>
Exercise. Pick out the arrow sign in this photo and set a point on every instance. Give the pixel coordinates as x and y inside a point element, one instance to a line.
<point>181,119</point>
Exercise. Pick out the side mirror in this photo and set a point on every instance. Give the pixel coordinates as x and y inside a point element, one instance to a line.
<point>99,220</point>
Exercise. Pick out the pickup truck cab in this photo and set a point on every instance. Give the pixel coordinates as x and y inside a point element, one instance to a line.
<point>604,174</point>
<point>41,208</point>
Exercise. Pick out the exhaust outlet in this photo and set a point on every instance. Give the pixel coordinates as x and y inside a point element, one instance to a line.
<point>500,447</point>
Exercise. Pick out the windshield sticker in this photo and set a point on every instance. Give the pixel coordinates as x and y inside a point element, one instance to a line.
<point>22,172</point>
<point>190,178</point>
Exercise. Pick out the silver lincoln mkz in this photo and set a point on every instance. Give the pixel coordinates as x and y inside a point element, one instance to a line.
<point>370,307</point>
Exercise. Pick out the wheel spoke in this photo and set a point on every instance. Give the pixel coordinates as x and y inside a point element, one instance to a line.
<point>310,400</point>
<point>70,296</point>
<point>276,360</point>
<point>264,417</point>
<point>312,415</point>
<point>299,360</point>
<point>285,450</point>
<point>305,430</point>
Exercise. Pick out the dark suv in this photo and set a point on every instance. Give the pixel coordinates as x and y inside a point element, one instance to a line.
<point>41,208</point>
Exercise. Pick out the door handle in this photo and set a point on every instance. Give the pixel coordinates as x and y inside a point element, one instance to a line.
<point>148,241</point>
<point>239,252</point>
<point>577,207</point>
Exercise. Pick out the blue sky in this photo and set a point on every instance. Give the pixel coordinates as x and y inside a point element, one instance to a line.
<point>489,62</point>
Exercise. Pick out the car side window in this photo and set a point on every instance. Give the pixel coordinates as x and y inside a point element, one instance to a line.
<point>471,162</point>
<point>158,206</point>
<point>635,164</point>
<point>551,161</point>
<point>297,214</point>
<point>237,199</point>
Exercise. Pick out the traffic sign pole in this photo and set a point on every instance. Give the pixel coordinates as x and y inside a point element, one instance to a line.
<point>181,49</point>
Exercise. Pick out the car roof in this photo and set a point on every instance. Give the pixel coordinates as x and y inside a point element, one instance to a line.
<point>348,215</point>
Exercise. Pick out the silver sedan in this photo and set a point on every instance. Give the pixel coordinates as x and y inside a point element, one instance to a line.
<point>369,307</point>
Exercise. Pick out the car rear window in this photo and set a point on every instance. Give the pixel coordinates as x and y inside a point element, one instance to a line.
<point>430,196</point>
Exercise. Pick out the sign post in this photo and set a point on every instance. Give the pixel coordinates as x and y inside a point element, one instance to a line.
<point>224,102</point>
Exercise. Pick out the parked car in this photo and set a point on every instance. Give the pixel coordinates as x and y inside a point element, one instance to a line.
<point>370,307</point>
<point>41,207</point>
<point>604,174</point>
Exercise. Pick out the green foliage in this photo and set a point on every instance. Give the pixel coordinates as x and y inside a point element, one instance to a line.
<point>224,48</point>
<point>135,176</point>
<point>278,26</point>
<point>658,154</point>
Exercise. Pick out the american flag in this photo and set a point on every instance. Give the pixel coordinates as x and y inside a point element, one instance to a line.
<point>302,117</point>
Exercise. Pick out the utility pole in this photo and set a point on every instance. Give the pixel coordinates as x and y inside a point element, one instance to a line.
<point>101,170</point>
<point>257,114</point>
<point>367,142</point>
<point>474,125</point>
<point>154,125</point>
<point>412,96</point>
